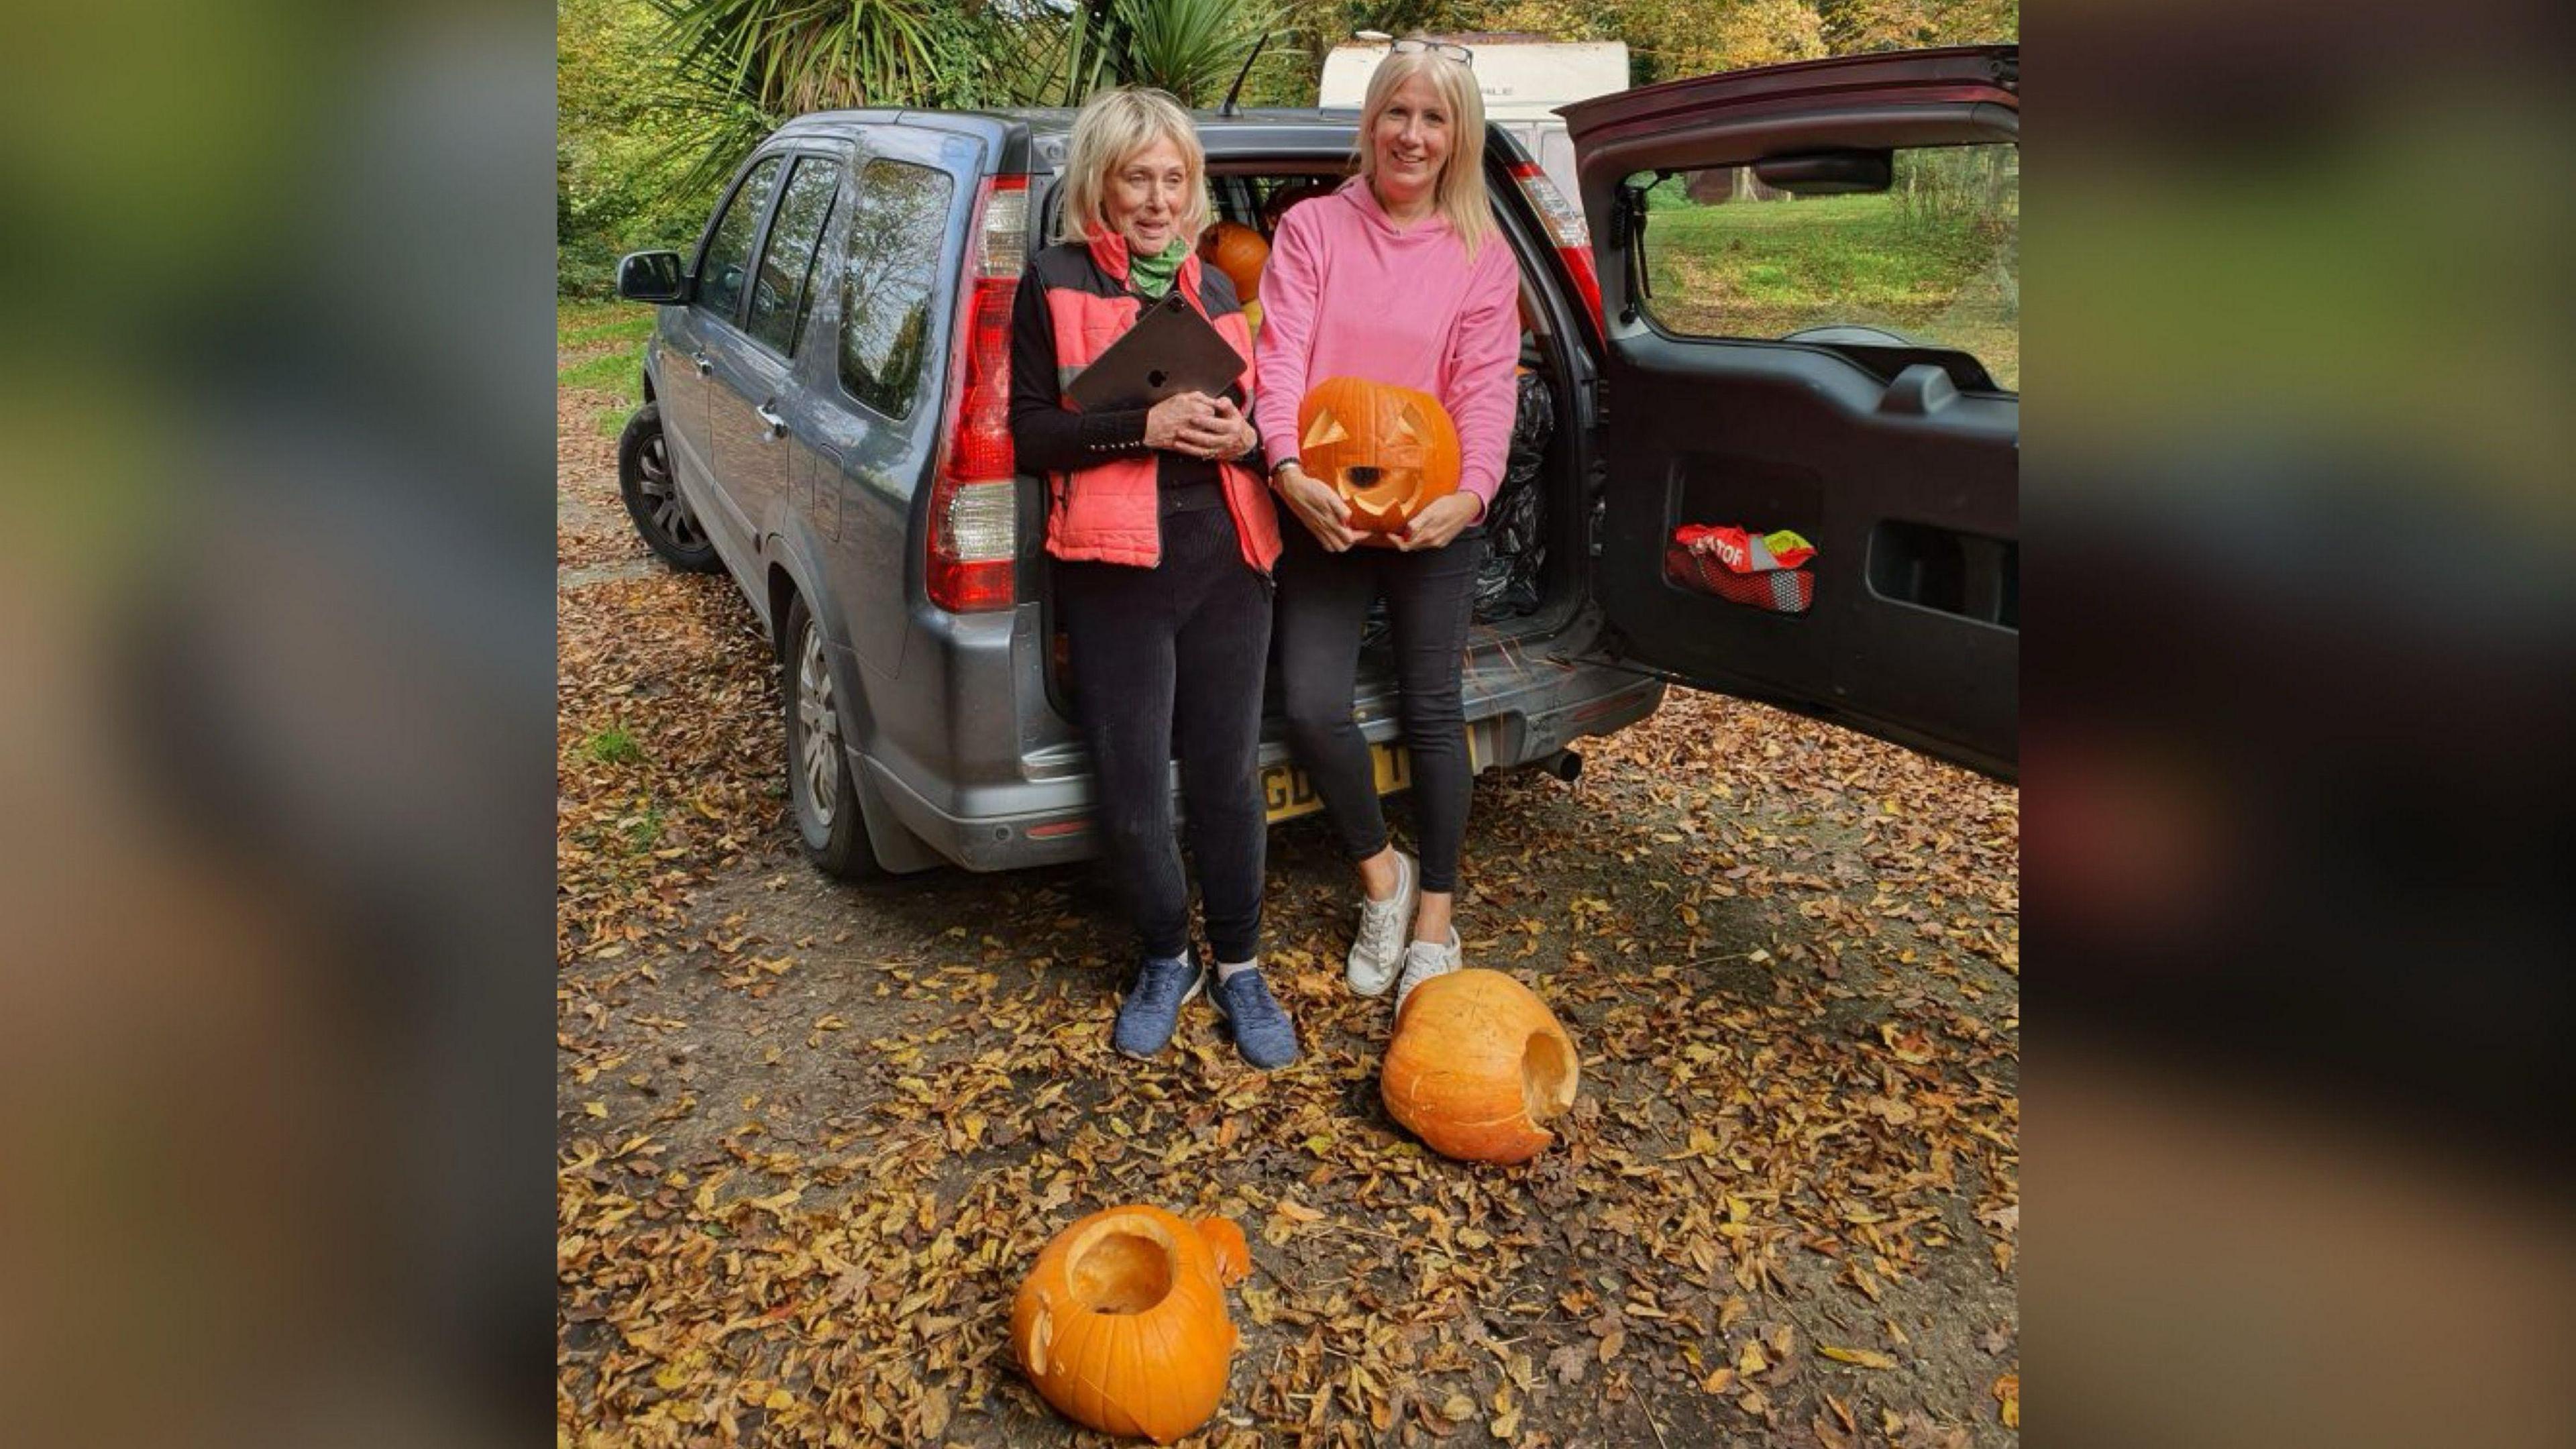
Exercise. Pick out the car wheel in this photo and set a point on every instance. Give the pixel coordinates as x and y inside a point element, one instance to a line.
<point>821,793</point>
<point>652,493</point>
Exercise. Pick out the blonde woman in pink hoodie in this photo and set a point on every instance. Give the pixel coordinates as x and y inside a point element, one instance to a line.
<point>1398,277</point>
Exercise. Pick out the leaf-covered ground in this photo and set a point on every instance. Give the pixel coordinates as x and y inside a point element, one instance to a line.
<point>812,1135</point>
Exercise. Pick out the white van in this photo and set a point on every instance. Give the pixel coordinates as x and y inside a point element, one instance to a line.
<point>1524,79</point>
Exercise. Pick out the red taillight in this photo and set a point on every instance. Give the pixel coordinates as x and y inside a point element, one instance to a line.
<point>973,541</point>
<point>1566,229</point>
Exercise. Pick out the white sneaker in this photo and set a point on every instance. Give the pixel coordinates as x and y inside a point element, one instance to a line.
<point>1424,960</point>
<point>1377,947</point>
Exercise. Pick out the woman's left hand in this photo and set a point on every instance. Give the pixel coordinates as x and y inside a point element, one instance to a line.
<point>1446,518</point>
<point>1223,434</point>
<point>1244,438</point>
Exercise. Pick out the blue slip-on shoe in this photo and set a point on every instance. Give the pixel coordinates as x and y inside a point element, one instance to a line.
<point>1153,1005</point>
<point>1262,1032</point>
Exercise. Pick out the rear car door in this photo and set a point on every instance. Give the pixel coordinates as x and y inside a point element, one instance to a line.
<point>745,428</point>
<point>1810,288</point>
<point>754,366</point>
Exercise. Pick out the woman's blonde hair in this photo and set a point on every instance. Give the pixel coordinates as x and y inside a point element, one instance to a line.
<point>1460,196</point>
<point>1110,127</point>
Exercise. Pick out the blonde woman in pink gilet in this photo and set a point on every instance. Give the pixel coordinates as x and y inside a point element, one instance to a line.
<point>1400,278</point>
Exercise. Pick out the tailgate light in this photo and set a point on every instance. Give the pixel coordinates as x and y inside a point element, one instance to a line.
<point>973,543</point>
<point>1566,229</point>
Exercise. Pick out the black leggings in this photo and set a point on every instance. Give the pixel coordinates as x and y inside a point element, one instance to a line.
<point>1164,657</point>
<point>1324,599</point>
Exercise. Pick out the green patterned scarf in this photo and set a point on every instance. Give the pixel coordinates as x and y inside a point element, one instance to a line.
<point>1153,275</point>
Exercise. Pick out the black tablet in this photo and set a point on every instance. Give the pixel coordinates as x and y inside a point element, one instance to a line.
<point>1170,349</point>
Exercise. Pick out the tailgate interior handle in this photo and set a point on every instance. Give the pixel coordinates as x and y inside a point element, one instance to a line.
<point>1919,391</point>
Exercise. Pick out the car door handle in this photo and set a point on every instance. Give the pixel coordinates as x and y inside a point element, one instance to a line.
<point>705,363</point>
<point>777,426</point>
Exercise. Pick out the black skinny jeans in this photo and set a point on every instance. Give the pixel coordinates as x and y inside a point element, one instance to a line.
<point>1173,656</point>
<point>1324,599</point>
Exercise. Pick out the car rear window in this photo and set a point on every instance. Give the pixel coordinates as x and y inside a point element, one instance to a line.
<point>898,216</point>
<point>1932,261</point>
<point>728,258</point>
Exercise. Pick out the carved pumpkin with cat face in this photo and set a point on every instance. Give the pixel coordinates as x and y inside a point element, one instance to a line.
<point>1389,451</point>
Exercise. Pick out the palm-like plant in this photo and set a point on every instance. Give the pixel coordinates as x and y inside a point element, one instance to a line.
<point>1192,48</point>
<point>744,66</point>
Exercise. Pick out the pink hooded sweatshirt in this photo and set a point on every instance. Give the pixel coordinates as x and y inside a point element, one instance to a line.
<point>1348,293</point>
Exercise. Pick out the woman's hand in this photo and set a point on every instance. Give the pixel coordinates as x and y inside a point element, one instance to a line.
<point>1233,433</point>
<point>1446,518</point>
<point>1318,507</point>
<point>1198,426</point>
<point>1172,423</point>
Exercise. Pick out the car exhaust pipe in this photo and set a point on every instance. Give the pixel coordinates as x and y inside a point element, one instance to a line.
<point>1565,765</point>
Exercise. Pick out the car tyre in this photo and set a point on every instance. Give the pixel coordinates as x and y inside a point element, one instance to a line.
<point>820,791</point>
<point>651,488</point>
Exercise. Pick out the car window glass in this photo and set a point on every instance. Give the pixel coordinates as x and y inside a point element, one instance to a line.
<point>778,299</point>
<point>815,279</point>
<point>898,214</point>
<point>1933,261</point>
<point>728,258</point>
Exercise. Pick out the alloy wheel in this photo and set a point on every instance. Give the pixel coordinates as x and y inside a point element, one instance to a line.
<point>668,510</point>
<point>818,727</point>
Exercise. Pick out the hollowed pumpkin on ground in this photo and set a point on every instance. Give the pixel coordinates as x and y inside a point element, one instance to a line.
<point>1122,1324</point>
<point>1389,451</point>
<point>1477,1064</point>
<point>1239,252</point>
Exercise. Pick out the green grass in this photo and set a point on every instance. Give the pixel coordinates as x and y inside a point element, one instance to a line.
<point>579,324</point>
<point>613,746</point>
<point>605,342</point>
<point>634,327</point>
<point>615,371</point>
<point>643,830</point>
<point>1766,269</point>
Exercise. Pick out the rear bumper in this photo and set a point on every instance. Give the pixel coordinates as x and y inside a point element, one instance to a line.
<point>1518,713</point>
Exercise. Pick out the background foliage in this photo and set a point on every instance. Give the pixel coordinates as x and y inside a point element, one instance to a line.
<point>658,99</point>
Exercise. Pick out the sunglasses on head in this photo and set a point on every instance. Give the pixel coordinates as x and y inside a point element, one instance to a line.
<point>1458,53</point>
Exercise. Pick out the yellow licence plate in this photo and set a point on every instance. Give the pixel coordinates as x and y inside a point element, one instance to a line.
<point>1287,793</point>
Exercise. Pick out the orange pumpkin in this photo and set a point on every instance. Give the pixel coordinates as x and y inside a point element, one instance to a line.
<point>1389,451</point>
<point>1478,1062</point>
<point>1122,1324</point>
<point>1239,252</point>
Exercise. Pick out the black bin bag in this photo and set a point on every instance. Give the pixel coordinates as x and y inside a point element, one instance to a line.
<point>1516,521</point>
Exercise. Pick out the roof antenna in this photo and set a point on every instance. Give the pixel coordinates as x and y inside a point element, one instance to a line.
<point>1230,108</point>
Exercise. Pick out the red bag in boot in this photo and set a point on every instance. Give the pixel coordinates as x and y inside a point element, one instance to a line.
<point>1742,567</point>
